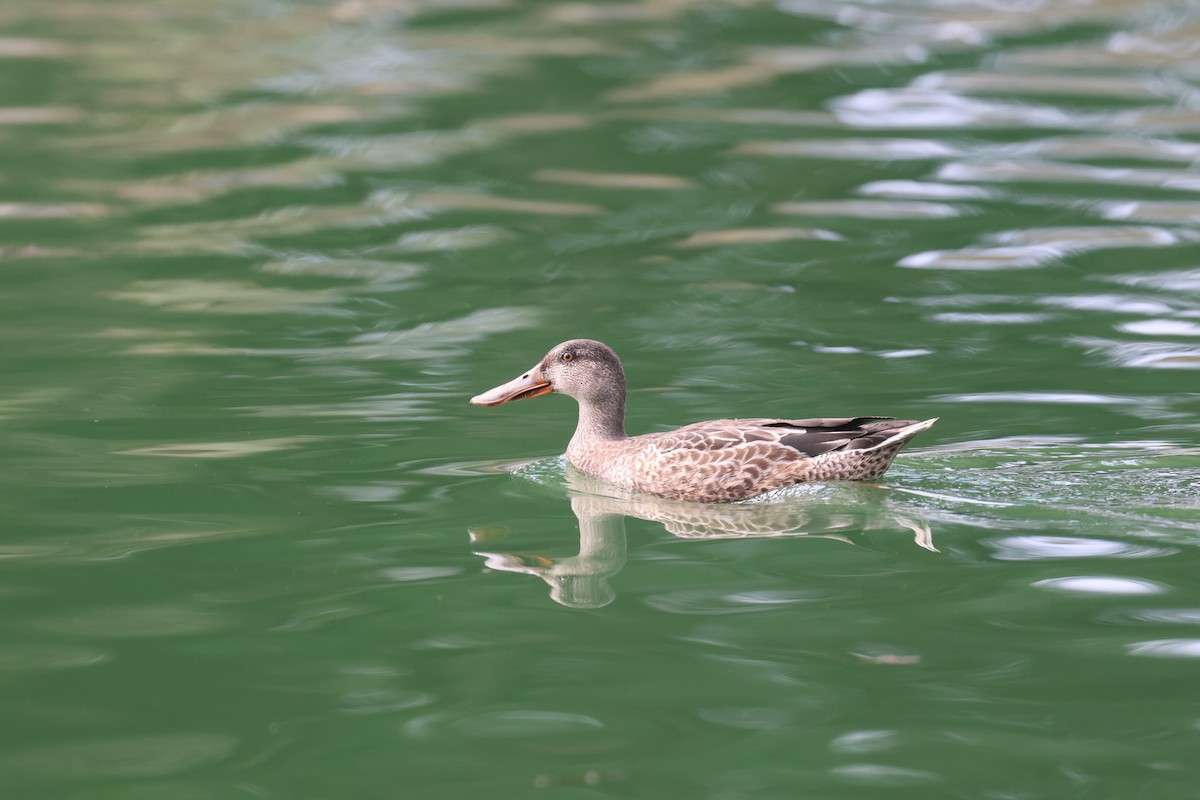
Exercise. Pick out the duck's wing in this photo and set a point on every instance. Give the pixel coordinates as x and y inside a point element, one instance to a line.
<point>786,439</point>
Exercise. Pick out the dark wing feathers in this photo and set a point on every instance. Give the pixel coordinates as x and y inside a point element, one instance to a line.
<point>807,437</point>
<point>846,424</point>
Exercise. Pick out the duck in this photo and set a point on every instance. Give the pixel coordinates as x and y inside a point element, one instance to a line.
<point>715,461</point>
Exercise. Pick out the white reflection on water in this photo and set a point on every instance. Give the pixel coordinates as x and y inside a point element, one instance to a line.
<point>502,724</point>
<point>1152,355</point>
<point>1185,281</point>
<point>1031,171</point>
<point>1180,212</point>
<point>234,449</point>
<point>1178,616</point>
<point>732,236</point>
<point>865,741</point>
<point>1161,327</point>
<point>879,149</point>
<point>871,209</point>
<point>982,258</point>
<point>1142,87</point>
<point>1056,398</point>
<point>1037,247</point>
<point>224,297</point>
<point>885,775</point>
<point>925,190</point>
<point>924,108</point>
<point>1107,303</point>
<point>614,180</point>
<point>1043,548</point>
<point>710,602</point>
<point>1167,648</point>
<point>1101,584</point>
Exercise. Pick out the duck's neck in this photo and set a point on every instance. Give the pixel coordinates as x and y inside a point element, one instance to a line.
<point>601,419</point>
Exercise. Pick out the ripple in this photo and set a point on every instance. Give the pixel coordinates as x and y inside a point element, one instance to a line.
<point>749,718</point>
<point>914,107</point>
<point>918,190</point>
<point>503,724</point>
<point>51,210</point>
<point>1099,584</point>
<point>884,775</point>
<point>701,601</point>
<point>223,297</point>
<point>138,621</point>
<point>1167,648</point>
<point>409,574</point>
<point>1056,398</point>
<point>1039,548</point>
<point>1152,355</point>
<point>1024,249</point>
<point>981,259</point>
<point>871,209</point>
<point>1108,303</point>
<point>1179,616</point>
<point>1161,327</point>
<point>470,201</point>
<point>756,236</point>
<point>383,701</point>
<point>349,268</point>
<point>128,756</point>
<point>994,318</point>
<point>1181,212</point>
<point>468,237</point>
<point>35,658</point>
<point>864,742</point>
<point>221,449</point>
<point>1173,281</point>
<point>1115,86</point>
<point>387,408</point>
<point>29,47</point>
<point>852,149</point>
<point>613,180</point>
<point>1030,171</point>
<point>1084,238</point>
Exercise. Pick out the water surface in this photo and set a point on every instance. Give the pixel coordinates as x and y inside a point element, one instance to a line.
<point>257,256</point>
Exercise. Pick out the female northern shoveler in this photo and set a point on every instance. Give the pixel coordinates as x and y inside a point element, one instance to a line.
<point>708,462</point>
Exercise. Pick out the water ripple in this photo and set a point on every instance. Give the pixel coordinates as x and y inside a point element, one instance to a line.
<point>1167,648</point>
<point>503,724</point>
<point>1099,584</point>
<point>703,601</point>
<point>885,775</point>
<point>1049,548</point>
<point>1175,616</point>
<point>871,209</point>
<point>1152,355</point>
<point>124,756</point>
<point>914,107</point>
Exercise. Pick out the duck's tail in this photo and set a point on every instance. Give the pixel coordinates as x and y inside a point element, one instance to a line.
<point>899,436</point>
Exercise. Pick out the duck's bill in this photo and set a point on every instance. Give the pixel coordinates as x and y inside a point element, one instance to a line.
<point>531,384</point>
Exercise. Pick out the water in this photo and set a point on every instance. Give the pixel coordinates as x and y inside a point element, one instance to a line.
<point>257,257</point>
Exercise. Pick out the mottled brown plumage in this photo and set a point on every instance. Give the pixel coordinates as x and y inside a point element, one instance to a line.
<point>709,462</point>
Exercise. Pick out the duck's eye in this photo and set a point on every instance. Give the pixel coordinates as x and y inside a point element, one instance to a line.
<point>568,356</point>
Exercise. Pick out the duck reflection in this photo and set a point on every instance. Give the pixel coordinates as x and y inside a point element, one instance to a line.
<point>582,580</point>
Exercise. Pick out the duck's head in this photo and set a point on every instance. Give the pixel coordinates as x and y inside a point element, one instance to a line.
<point>584,369</point>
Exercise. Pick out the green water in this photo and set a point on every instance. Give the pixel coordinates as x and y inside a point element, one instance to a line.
<point>256,256</point>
